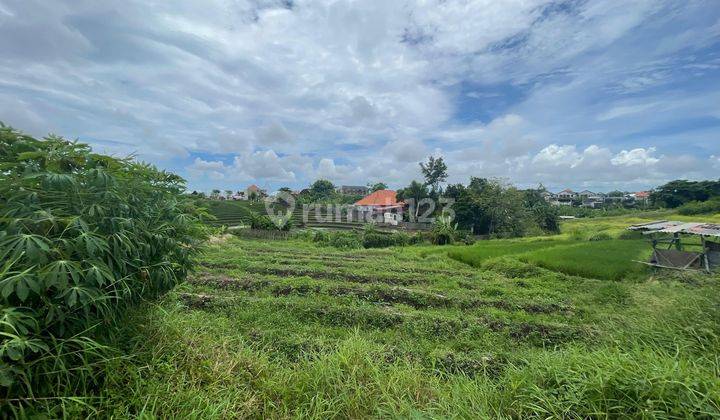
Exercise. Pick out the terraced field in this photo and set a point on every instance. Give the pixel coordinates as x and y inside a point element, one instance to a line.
<point>232,213</point>
<point>288,329</point>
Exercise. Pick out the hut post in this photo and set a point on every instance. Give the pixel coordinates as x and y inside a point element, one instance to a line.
<point>705,253</point>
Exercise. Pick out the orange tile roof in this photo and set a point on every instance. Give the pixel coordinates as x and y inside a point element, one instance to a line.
<point>379,198</point>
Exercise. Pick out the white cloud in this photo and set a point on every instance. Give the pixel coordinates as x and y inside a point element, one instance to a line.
<point>273,134</point>
<point>356,91</point>
<point>638,156</point>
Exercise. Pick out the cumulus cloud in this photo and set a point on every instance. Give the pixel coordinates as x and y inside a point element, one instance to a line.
<point>273,133</point>
<point>289,91</point>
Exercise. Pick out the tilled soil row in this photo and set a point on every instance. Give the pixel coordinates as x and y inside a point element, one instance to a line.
<point>418,299</point>
<point>418,324</point>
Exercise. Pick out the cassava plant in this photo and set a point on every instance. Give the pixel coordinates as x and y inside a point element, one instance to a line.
<point>82,237</point>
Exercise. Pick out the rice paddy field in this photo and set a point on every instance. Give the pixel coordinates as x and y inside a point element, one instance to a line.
<point>550,327</point>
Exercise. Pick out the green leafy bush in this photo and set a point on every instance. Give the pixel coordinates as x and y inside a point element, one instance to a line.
<point>264,222</point>
<point>700,207</point>
<point>444,231</point>
<point>344,240</point>
<point>420,238</point>
<point>82,237</point>
<point>377,240</point>
<point>369,238</point>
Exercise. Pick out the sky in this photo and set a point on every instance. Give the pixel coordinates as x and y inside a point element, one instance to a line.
<point>598,95</point>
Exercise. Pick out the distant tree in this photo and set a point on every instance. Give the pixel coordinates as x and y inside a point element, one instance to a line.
<point>416,191</point>
<point>377,186</point>
<point>534,196</point>
<point>678,192</point>
<point>487,206</point>
<point>546,216</point>
<point>435,172</point>
<point>285,189</point>
<point>228,193</point>
<point>253,196</point>
<point>322,188</point>
<point>215,194</point>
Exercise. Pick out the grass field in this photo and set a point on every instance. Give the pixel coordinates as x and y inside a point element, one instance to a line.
<point>603,259</point>
<point>232,213</point>
<point>286,329</point>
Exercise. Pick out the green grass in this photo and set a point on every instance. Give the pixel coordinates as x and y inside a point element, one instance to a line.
<point>232,213</point>
<point>483,251</point>
<point>286,329</point>
<point>605,260</point>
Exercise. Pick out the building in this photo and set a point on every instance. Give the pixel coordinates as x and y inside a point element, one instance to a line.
<point>566,195</point>
<point>642,196</point>
<point>548,196</point>
<point>256,191</point>
<point>591,199</point>
<point>353,190</point>
<point>586,194</point>
<point>380,202</point>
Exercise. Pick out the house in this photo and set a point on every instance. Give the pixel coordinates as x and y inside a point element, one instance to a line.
<point>380,202</point>
<point>566,195</point>
<point>591,199</point>
<point>586,194</point>
<point>353,190</point>
<point>642,196</point>
<point>256,191</point>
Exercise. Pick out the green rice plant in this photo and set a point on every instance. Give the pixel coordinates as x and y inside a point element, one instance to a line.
<point>599,236</point>
<point>483,251</point>
<point>605,260</point>
<point>82,237</point>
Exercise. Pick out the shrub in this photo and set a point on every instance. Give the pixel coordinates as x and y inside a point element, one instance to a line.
<point>82,237</point>
<point>464,237</point>
<point>419,238</point>
<point>264,222</point>
<point>377,240</point>
<point>321,237</point>
<point>344,240</point>
<point>700,207</point>
<point>401,239</point>
<point>443,231</point>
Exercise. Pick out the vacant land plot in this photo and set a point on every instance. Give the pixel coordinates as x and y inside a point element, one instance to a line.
<point>288,329</point>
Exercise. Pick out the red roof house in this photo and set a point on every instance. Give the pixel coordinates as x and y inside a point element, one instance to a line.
<point>380,198</point>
